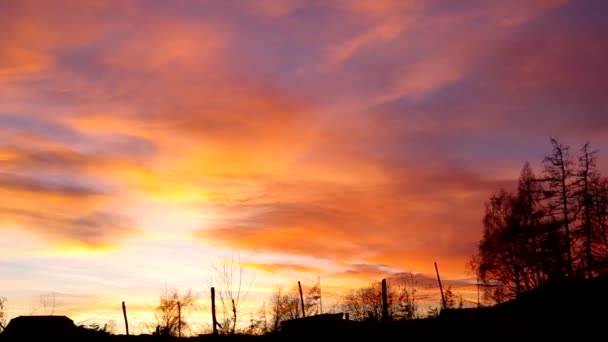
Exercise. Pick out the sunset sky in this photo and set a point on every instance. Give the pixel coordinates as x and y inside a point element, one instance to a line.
<point>140,141</point>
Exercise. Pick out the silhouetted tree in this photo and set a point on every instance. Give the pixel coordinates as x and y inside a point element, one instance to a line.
<point>450,298</point>
<point>312,300</point>
<point>513,250</point>
<point>586,178</point>
<point>284,305</point>
<point>402,298</point>
<point>553,226</point>
<point>258,323</point>
<point>433,312</point>
<point>452,301</point>
<point>558,173</point>
<point>232,281</point>
<point>599,217</point>
<point>364,304</point>
<point>531,211</point>
<point>171,312</point>
<point>502,249</point>
<point>552,244</point>
<point>48,303</point>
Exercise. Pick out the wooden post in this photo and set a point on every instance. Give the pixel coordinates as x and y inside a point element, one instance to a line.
<point>234,316</point>
<point>124,313</point>
<point>302,299</point>
<point>213,311</point>
<point>440,287</point>
<point>385,317</point>
<point>179,319</point>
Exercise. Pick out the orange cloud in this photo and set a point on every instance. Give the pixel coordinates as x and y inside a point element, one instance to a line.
<point>282,268</point>
<point>56,191</point>
<point>161,43</point>
<point>383,224</point>
<point>385,30</point>
<point>351,139</point>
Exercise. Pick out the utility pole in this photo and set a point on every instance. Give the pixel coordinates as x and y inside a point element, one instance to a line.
<point>234,315</point>
<point>385,317</point>
<point>302,299</point>
<point>213,311</point>
<point>124,313</point>
<point>440,287</point>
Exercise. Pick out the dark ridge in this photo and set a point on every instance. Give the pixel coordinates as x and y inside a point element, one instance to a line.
<point>560,310</point>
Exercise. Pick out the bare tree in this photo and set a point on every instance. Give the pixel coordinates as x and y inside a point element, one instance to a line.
<point>532,212</point>
<point>258,323</point>
<point>232,281</point>
<point>433,312</point>
<point>364,304</point>
<point>599,194</point>
<point>276,309</point>
<point>452,301</point>
<point>284,305</point>
<point>48,303</point>
<point>558,173</point>
<point>500,254</point>
<point>171,312</point>
<point>586,178</point>
<point>312,299</point>
<point>529,238</point>
<point>402,298</point>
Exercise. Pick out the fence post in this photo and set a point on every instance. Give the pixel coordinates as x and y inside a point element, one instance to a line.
<point>385,317</point>
<point>213,311</point>
<point>124,313</point>
<point>302,299</point>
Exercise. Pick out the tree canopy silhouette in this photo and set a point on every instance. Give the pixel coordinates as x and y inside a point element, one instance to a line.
<point>553,226</point>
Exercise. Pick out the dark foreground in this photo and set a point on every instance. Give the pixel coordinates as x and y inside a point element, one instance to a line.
<point>417,330</point>
<point>566,311</point>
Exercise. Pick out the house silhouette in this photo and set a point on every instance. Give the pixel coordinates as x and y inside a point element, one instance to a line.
<point>40,326</point>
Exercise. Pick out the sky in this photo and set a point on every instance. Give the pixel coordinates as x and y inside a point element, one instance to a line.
<point>143,141</point>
